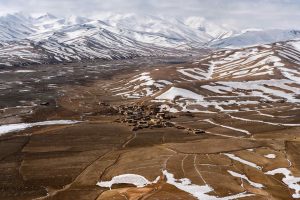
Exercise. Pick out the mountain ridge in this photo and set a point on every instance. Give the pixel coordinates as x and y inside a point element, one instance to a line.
<point>49,39</point>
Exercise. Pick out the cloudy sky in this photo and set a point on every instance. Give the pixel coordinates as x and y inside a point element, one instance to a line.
<point>239,13</point>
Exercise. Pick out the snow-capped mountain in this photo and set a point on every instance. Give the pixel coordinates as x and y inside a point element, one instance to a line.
<point>76,43</point>
<point>21,26</point>
<point>212,29</point>
<point>50,39</point>
<point>159,31</point>
<point>46,38</point>
<point>50,23</point>
<point>45,17</point>
<point>147,29</point>
<point>15,27</point>
<point>256,37</point>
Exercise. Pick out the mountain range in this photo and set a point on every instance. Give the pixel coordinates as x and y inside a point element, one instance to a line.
<point>49,39</point>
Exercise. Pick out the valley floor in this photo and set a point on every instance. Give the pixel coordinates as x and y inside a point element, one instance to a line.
<point>164,142</point>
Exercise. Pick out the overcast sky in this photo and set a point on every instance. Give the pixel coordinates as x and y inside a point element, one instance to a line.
<point>239,13</point>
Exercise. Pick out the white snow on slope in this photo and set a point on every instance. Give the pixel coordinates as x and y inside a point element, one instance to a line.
<point>15,26</point>
<point>296,45</point>
<point>134,179</point>
<point>184,184</point>
<point>185,99</point>
<point>228,127</point>
<point>78,38</point>
<point>174,92</point>
<point>4,129</point>
<point>51,39</point>
<point>246,63</point>
<point>251,164</point>
<point>267,87</point>
<point>200,192</point>
<point>270,156</point>
<point>214,30</point>
<point>140,86</point>
<point>291,181</point>
<point>276,82</point>
<point>252,38</point>
<point>24,71</point>
<point>167,32</point>
<point>242,176</point>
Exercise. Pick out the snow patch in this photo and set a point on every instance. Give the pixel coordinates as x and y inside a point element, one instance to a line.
<point>228,127</point>
<point>4,129</point>
<point>25,71</point>
<point>251,164</point>
<point>200,192</point>
<point>291,181</point>
<point>242,176</point>
<point>134,179</point>
<point>270,156</point>
<point>174,92</point>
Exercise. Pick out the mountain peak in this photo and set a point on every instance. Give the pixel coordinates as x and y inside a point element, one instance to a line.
<point>46,16</point>
<point>211,28</point>
<point>73,19</point>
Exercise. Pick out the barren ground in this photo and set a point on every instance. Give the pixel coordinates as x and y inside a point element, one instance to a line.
<point>64,162</point>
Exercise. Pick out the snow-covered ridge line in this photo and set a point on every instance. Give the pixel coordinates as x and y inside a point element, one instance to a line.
<point>4,129</point>
<point>48,39</point>
<point>54,40</point>
<point>254,38</point>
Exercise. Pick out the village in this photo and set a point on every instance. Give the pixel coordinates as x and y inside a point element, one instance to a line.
<point>152,116</point>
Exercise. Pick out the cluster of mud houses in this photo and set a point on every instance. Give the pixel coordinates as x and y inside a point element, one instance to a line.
<point>140,117</point>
